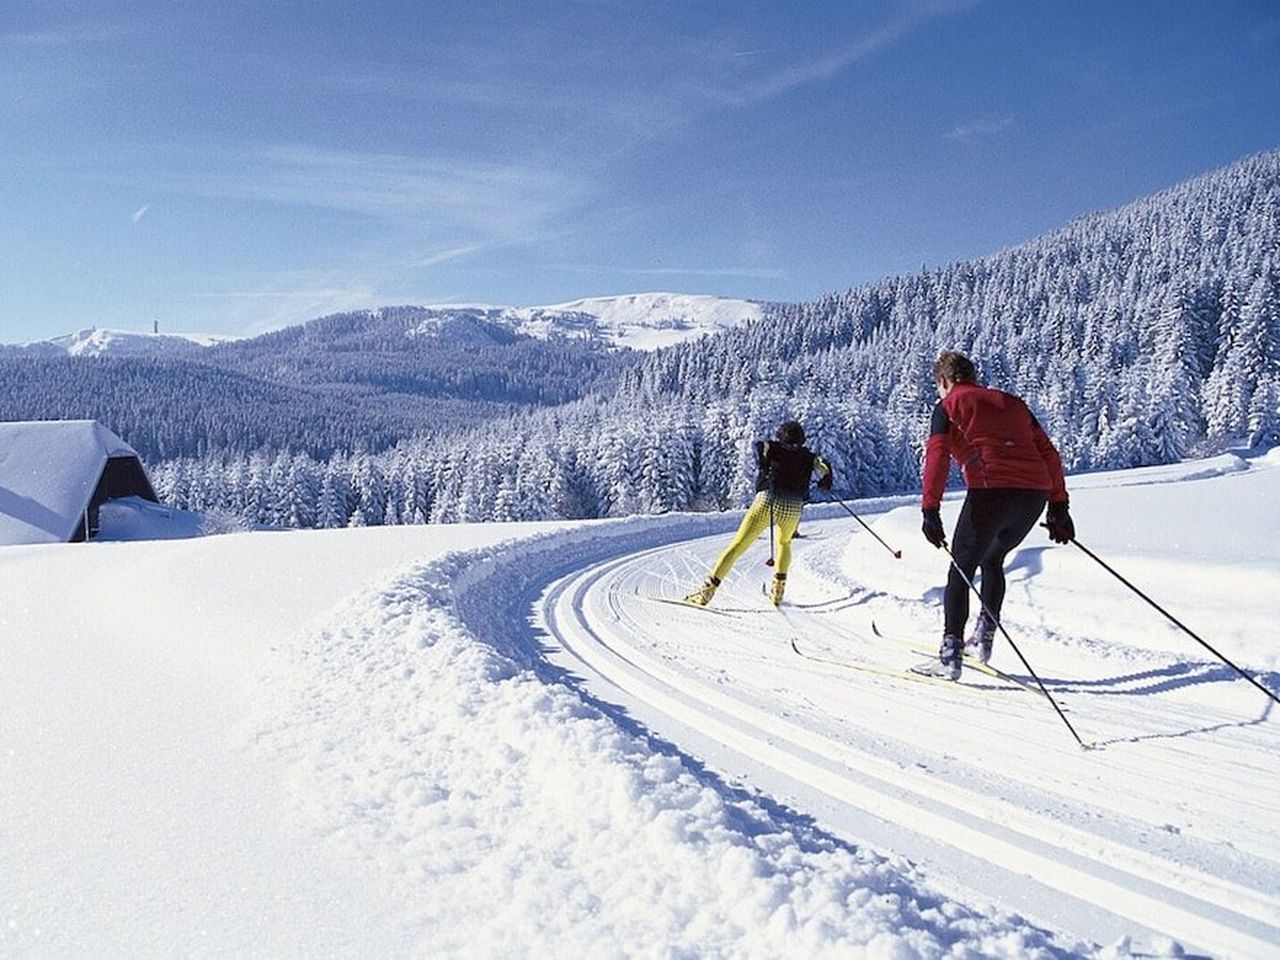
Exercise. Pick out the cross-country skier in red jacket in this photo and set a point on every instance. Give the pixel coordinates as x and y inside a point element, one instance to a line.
<point>1011,469</point>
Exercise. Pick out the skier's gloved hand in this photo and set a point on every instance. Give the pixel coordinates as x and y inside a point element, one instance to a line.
<point>824,481</point>
<point>1058,520</point>
<point>759,447</point>
<point>932,528</point>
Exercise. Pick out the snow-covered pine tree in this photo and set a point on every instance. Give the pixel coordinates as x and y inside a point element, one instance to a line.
<point>302,496</point>
<point>334,508</point>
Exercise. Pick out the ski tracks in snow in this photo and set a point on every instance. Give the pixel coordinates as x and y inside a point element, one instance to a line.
<point>987,789</point>
<point>690,764</point>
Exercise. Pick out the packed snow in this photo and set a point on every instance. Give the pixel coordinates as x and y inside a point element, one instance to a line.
<point>495,740</point>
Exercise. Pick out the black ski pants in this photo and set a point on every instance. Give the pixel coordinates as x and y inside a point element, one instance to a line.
<point>991,524</point>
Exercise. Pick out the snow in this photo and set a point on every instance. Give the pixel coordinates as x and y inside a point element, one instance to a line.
<point>102,341</point>
<point>489,740</point>
<point>643,321</point>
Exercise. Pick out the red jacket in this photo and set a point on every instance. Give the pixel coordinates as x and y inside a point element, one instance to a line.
<point>996,441</point>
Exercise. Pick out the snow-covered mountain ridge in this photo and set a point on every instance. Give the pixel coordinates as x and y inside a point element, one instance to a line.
<point>641,321</point>
<point>102,341</point>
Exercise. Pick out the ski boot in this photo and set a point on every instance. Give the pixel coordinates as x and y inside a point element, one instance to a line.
<point>984,634</point>
<point>702,596</point>
<point>778,588</point>
<point>950,652</point>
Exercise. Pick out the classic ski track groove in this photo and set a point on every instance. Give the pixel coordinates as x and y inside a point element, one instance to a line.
<point>1144,888</point>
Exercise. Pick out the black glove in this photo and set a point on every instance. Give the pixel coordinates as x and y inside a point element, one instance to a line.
<point>824,481</point>
<point>1058,520</point>
<point>932,528</point>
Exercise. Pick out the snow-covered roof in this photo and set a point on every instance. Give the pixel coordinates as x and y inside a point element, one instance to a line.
<point>48,472</point>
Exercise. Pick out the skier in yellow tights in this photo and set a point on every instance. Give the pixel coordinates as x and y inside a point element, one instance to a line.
<point>785,467</point>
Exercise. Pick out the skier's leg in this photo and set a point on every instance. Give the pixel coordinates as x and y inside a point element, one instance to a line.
<point>1014,513</point>
<point>753,524</point>
<point>969,544</point>
<point>786,517</point>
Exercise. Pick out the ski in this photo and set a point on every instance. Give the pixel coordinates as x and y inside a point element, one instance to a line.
<point>930,668</point>
<point>894,673</point>
<point>973,662</point>
<point>681,602</point>
<point>765,588</point>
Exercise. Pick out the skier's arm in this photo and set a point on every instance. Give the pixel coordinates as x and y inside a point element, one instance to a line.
<point>1049,453</point>
<point>937,458</point>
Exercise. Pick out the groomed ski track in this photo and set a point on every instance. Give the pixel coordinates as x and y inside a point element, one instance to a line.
<point>1049,831</point>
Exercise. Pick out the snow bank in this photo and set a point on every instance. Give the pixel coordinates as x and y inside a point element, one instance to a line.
<point>133,519</point>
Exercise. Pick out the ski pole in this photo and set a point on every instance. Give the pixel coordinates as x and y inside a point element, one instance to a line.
<point>1174,620</point>
<point>769,562</point>
<point>771,468</point>
<point>897,554</point>
<point>1000,626</point>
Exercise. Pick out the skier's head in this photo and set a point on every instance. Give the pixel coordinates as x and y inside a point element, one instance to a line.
<point>953,367</point>
<point>791,432</point>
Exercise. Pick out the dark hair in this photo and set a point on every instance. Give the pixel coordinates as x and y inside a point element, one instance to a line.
<point>791,432</point>
<point>955,367</point>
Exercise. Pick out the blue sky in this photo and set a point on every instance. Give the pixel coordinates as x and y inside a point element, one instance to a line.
<point>237,166</point>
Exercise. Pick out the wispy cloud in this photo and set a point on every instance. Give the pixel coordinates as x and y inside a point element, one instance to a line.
<point>625,96</point>
<point>438,257</point>
<point>985,126</point>
<point>290,299</point>
<point>910,17</point>
<point>140,212</point>
<point>439,196</point>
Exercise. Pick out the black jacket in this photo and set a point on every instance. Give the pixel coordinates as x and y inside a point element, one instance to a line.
<point>785,469</point>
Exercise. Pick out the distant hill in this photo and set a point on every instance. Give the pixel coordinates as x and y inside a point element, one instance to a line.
<point>640,321</point>
<point>103,342</point>
<point>353,381</point>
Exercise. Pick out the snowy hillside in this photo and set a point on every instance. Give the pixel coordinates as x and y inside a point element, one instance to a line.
<point>99,342</point>
<point>642,321</point>
<point>496,742</point>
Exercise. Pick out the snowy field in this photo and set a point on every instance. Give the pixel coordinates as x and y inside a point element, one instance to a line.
<point>493,741</point>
